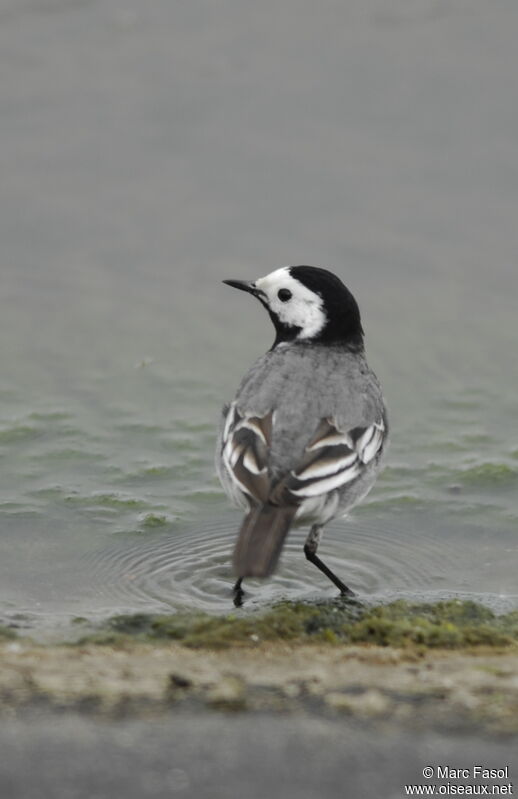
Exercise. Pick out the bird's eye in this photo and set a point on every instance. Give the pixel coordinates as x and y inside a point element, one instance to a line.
<point>284,295</point>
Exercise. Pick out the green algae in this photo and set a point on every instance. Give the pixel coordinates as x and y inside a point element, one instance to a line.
<point>449,624</point>
<point>285,622</point>
<point>6,633</point>
<point>18,434</point>
<point>489,474</point>
<point>153,520</point>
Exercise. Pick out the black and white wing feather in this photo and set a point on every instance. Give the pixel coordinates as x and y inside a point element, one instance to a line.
<point>246,444</point>
<point>332,459</point>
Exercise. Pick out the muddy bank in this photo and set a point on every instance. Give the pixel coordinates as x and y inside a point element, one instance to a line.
<point>433,689</point>
<point>293,659</point>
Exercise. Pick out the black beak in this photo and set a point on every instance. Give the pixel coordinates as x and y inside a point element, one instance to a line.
<point>243,285</point>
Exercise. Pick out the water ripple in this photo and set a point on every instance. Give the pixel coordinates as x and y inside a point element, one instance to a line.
<point>191,568</point>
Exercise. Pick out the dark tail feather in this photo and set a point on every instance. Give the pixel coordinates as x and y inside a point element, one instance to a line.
<point>260,540</point>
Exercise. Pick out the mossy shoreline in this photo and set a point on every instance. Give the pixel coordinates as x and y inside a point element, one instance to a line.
<point>450,665</point>
<point>449,624</point>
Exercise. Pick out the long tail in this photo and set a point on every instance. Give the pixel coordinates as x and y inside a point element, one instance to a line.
<point>260,540</point>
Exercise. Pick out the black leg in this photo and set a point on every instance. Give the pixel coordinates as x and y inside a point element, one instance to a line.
<point>310,551</point>
<point>238,593</point>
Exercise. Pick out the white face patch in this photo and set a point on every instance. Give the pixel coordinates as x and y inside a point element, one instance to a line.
<point>304,309</point>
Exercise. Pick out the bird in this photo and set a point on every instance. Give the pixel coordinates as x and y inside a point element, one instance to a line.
<point>303,440</point>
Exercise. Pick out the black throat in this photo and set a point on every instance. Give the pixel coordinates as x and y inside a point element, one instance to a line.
<point>283,333</point>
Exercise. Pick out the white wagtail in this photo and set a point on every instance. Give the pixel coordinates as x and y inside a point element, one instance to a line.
<point>303,439</point>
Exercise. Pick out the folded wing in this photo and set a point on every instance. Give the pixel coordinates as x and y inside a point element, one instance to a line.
<point>246,445</point>
<point>332,458</point>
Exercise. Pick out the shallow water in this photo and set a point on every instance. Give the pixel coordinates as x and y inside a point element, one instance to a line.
<point>149,153</point>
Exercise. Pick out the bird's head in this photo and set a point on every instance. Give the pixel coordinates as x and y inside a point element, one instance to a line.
<point>307,304</point>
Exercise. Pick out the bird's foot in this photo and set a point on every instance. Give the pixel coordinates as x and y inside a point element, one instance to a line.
<point>238,593</point>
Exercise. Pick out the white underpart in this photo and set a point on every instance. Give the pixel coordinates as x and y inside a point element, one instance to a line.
<point>305,309</point>
<point>319,509</point>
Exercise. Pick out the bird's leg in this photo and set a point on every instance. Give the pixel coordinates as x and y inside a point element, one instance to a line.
<point>310,551</point>
<point>238,593</point>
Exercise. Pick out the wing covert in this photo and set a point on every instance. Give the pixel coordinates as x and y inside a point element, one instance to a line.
<point>246,442</point>
<point>331,460</point>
